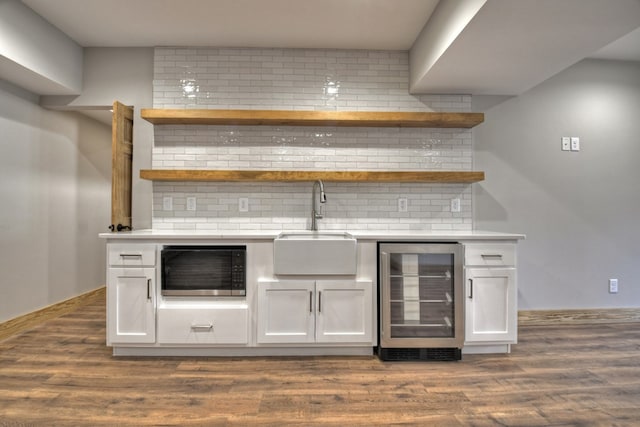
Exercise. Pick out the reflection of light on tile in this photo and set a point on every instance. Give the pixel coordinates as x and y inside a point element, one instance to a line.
<point>226,138</point>
<point>188,83</point>
<point>189,88</point>
<point>427,155</point>
<point>331,90</point>
<point>283,144</point>
<point>331,85</point>
<point>319,139</point>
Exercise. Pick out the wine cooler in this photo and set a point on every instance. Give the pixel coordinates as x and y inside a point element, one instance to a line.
<point>421,301</point>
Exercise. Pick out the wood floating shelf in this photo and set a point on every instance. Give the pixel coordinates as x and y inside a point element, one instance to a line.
<point>311,118</point>
<point>300,176</point>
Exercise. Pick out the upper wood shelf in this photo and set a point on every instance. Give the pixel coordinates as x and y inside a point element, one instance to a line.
<point>298,176</point>
<point>312,118</point>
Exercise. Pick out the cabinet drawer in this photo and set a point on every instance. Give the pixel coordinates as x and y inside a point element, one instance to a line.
<point>490,254</point>
<point>120,255</point>
<point>202,326</point>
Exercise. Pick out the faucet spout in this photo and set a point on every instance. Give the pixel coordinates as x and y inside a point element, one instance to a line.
<point>316,214</point>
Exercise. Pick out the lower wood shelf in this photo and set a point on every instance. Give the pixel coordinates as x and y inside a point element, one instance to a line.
<point>312,118</point>
<point>298,176</point>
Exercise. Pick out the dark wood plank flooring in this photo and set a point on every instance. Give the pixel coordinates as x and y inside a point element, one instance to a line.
<point>61,373</point>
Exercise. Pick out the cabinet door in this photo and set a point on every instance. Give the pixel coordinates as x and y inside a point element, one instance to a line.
<point>491,307</point>
<point>286,312</point>
<point>344,311</point>
<point>131,305</point>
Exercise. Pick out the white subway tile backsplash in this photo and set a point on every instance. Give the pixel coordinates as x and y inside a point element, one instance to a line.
<point>313,79</point>
<point>288,206</point>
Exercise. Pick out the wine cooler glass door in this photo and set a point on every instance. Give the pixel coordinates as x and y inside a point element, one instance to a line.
<point>421,305</point>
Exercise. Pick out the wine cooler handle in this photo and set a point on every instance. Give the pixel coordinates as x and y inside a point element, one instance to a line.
<point>385,294</point>
<point>470,288</point>
<point>384,266</point>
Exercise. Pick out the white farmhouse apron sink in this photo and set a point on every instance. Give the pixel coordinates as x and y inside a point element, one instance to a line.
<point>314,253</point>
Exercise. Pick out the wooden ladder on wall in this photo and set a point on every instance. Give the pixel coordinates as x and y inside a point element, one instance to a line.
<point>121,166</point>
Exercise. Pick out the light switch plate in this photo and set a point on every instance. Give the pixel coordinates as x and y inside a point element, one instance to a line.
<point>191,203</point>
<point>455,205</point>
<point>575,143</point>
<point>243,204</point>
<point>402,204</point>
<point>566,143</point>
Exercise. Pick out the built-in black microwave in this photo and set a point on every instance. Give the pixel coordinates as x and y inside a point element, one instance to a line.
<point>204,270</point>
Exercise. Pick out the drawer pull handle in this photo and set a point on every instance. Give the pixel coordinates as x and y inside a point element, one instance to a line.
<point>202,328</point>
<point>130,255</point>
<point>497,256</point>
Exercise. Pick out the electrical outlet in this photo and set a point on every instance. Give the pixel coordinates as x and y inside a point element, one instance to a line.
<point>191,203</point>
<point>243,204</point>
<point>402,204</point>
<point>613,286</point>
<point>575,143</point>
<point>455,205</point>
<point>167,203</point>
<point>566,143</point>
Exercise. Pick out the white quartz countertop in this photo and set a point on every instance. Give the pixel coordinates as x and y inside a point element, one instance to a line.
<point>150,234</point>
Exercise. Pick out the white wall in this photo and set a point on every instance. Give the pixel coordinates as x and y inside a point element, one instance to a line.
<point>124,75</point>
<point>447,22</point>
<point>36,55</point>
<point>580,210</point>
<point>55,179</point>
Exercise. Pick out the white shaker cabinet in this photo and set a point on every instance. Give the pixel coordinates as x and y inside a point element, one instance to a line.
<point>491,314</point>
<point>286,311</point>
<point>131,294</point>
<point>309,311</point>
<point>344,311</point>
